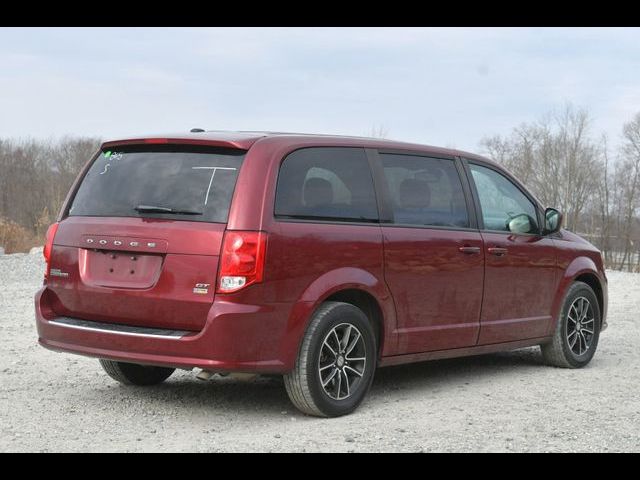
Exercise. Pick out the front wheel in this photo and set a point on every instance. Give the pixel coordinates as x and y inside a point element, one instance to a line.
<point>134,374</point>
<point>336,362</point>
<point>577,332</point>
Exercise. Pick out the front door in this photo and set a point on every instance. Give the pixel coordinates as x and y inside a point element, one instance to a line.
<point>434,260</point>
<point>520,263</point>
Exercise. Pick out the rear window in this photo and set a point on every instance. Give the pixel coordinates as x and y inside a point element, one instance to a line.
<point>173,182</point>
<point>326,183</point>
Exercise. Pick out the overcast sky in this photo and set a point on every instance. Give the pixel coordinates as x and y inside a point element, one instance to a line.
<point>442,86</point>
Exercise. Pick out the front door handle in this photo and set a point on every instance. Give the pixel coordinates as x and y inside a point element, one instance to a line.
<point>469,250</point>
<point>498,251</point>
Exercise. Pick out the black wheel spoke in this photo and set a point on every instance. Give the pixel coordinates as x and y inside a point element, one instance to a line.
<point>326,381</point>
<point>346,382</point>
<point>573,342</point>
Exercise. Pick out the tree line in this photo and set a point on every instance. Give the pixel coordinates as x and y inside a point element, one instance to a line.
<point>559,157</point>
<point>569,167</point>
<point>35,176</point>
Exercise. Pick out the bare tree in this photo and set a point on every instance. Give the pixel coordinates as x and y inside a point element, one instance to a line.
<point>555,156</point>
<point>577,158</point>
<point>630,179</point>
<point>378,131</point>
<point>34,180</point>
<point>602,202</point>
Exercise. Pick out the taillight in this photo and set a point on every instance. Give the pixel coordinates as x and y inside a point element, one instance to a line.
<point>241,260</point>
<point>48,246</point>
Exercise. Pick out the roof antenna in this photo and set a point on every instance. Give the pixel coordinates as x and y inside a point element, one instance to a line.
<point>197,130</point>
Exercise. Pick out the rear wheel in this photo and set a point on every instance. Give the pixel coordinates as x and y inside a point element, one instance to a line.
<point>577,332</point>
<point>335,366</point>
<point>134,374</point>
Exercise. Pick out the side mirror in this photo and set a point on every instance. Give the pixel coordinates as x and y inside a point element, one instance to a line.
<point>520,224</point>
<point>552,221</point>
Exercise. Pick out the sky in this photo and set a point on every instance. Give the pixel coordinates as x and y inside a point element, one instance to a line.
<point>440,86</point>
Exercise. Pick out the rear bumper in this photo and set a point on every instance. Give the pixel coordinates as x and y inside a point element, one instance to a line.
<point>236,338</point>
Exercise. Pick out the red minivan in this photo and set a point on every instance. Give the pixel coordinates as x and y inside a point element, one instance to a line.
<point>315,257</point>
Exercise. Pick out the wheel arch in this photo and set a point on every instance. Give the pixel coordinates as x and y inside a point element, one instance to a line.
<point>581,269</point>
<point>593,281</point>
<point>355,286</point>
<point>368,304</point>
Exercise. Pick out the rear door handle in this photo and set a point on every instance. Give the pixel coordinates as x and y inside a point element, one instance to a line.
<point>498,251</point>
<point>469,250</point>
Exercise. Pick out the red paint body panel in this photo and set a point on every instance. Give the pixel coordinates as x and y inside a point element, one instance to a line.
<point>242,141</point>
<point>459,352</point>
<point>519,288</point>
<point>577,257</point>
<point>183,237</point>
<point>307,263</point>
<point>435,301</point>
<point>169,303</point>
<point>102,269</point>
<point>159,292</point>
<point>437,288</point>
<point>215,347</point>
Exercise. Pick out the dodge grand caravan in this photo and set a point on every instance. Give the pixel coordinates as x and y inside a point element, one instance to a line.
<point>319,258</point>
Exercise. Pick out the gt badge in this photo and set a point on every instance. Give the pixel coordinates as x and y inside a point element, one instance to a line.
<point>56,272</point>
<point>201,288</point>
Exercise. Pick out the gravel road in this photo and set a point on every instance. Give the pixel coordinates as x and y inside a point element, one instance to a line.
<point>503,402</point>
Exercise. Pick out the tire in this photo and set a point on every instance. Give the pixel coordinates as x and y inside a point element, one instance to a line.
<point>575,350</point>
<point>305,383</point>
<point>134,374</point>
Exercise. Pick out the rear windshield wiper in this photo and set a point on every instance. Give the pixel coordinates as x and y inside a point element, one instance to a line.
<point>157,209</point>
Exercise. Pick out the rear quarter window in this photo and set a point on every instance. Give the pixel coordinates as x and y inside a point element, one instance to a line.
<point>194,182</point>
<point>326,183</point>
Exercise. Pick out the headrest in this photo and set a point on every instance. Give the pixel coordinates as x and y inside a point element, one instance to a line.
<point>414,193</point>
<point>317,191</point>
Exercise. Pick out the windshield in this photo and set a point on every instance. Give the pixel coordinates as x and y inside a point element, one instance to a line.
<point>174,182</point>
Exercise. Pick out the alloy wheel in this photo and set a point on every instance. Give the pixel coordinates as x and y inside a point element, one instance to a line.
<point>580,326</point>
<point>342,361</point>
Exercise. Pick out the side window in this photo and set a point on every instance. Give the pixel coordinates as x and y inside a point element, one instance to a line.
<point>425,191</point>
<point>327,183</point>
<point>501,200</point>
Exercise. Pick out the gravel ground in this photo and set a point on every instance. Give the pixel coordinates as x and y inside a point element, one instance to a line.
<point>503,402</point>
